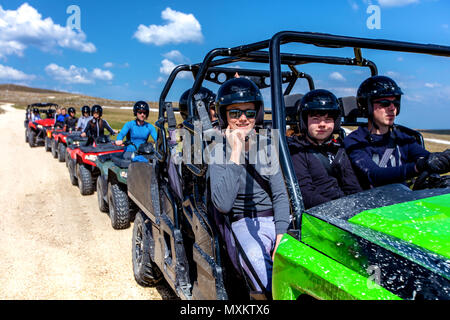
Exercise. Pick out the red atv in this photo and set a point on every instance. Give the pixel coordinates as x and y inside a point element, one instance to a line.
<point>81,161</point>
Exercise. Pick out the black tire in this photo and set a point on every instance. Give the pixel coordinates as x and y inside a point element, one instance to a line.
<point>72,173</point>
<point>146,273</point>
<point>61,152</point>
<point>67,158</point>
<point>85,181</point>
<point>47,144</point>
<point>32,138</point>
<point>26,135</point>
<point>102,204</point>
<point>119,209</point>
<point>54,148</point>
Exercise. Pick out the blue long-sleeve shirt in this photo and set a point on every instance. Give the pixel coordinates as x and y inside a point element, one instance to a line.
<point>137,134</point>
<point>365,150</point>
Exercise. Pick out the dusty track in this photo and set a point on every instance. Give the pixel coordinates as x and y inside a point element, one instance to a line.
<point>55,243</point>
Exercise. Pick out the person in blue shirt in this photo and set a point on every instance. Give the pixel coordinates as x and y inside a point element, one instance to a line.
<point>380,153</point>
<point>61,118</point>
<point>137,131</point>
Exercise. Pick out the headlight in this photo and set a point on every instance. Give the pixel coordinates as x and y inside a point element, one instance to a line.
<point>40,126</point>
<point>91,157</point>
<point>123,174</point>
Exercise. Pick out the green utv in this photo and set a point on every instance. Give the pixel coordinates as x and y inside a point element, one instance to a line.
<point>112,189</point>
<point>385,243</point>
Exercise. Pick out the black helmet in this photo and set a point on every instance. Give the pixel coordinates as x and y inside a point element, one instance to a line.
<point>85,109</point>
<point>206,95</point>
<point>35,110</point>
<point>238,90</point>
<point>98,109</point>
<point>373,88</point>
<point>141,105</point>
<point>71,110</point>
<point>318,100</point>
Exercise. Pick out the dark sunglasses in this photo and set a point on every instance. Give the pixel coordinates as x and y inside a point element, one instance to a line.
<point>141,111</point>
<point>236,113</point>
<point>387,103</point>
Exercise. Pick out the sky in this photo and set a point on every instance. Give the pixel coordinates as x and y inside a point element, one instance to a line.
<point>125,50</point>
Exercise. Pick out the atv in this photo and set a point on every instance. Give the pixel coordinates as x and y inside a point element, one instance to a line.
<point>112,188</point>
<point>36,131</point>
<point>82,159</point>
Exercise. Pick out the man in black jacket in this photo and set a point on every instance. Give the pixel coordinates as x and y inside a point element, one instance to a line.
<point>322,167</point>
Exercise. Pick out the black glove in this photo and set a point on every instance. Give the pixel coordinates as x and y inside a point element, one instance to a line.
<point>437,162</point>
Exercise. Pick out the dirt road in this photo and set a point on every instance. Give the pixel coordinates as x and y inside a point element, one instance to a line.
<point>54,242</point>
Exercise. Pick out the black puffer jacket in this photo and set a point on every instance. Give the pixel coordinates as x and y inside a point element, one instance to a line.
<point>316,183</point>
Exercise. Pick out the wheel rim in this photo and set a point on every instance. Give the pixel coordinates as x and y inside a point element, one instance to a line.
<point>139,244</point>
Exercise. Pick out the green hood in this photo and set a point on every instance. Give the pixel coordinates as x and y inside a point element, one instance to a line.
<point>424,223</point>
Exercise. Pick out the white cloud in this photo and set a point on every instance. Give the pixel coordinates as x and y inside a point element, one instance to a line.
<point>337,76</point>
<point>102,74</point>
<point>8,73</point>
<point>432,85</point>
<point>181,28</point>
<point>77,75</point>
<point>166,69</point>
<point>110,65</point>
<point>396,3</point>
<point>343,91</point>
<point>353,4</point>
<point>392,74</point>
<point>176,56</point>
<point>25,26</point>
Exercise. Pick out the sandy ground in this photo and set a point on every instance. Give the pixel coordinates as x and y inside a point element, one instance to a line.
<point>54,242</point>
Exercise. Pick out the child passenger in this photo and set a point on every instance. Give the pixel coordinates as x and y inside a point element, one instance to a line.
<point>322,167</point>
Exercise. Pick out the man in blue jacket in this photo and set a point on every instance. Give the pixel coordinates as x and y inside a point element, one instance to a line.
<point>137,131</point>
<point>379,153</point>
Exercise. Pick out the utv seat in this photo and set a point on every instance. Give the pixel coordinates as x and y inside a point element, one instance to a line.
<point>100,148</point>
<point>120,161</point>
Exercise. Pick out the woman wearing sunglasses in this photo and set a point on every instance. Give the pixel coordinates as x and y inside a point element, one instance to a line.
<point>137,131</point>
<point>379,153</point>
<point>247,197</point>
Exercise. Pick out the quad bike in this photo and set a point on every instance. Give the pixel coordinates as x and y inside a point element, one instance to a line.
<point>82,159</point>
<point>112,189</point>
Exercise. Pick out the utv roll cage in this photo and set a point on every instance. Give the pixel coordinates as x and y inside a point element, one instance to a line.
<point>48,108</point>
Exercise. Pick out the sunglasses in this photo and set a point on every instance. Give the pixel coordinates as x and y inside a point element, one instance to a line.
<point>141,112</point>
<point>387,103</point>
<point>236,113</point>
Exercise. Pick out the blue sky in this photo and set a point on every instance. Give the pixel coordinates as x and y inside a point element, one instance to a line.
<point>126,49</point>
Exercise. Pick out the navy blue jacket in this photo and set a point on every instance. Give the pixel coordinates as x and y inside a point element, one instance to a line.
<point>316,184</point>
<point>365,151</point>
